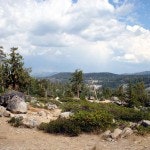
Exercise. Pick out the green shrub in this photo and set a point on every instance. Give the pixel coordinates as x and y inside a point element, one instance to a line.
<point>141,130</point>
<point>93,117</point>
<point>43,126</point>
<point>77,106</point>
<point>63,126</point>
<point>118,112</point>
<point>69,99</point>
<point>16,122</point>
<point>55,102</point>
<point>81,122</point>
<point>127,114</point>
<point>122,124</point>
<point>92,121</point>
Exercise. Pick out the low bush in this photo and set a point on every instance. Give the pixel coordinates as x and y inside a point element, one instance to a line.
<point>63,126</point>
<point>16,122</point>
<point>69,99</point>
<point>77,106</point>
<point>125,113</point>
<point>92,121</point>
<point>54,102</point>
<point>93,117</point>
<point>81,122</point>
<point>141,130</point>
<point>118,112</point>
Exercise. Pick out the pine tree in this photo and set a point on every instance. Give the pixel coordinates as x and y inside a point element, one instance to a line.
<point>136,95</point>
<point>18,77</point>
<point>77,82</point>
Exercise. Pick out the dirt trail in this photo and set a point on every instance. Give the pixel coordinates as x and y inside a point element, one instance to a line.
<point>31,139</point>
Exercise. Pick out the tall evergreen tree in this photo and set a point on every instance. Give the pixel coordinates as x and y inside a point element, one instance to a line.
<point>17,76</point>
<point>77,82</point>
<point>136,95</point>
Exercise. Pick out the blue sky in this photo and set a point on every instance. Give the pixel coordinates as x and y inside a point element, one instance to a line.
<point>92,35</point>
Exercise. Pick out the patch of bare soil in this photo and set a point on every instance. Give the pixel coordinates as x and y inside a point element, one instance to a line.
<point>42,115</point>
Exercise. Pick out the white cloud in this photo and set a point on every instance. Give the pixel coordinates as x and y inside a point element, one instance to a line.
<point>116,1</point>
<point>87,30</point>
<point>58,53</point>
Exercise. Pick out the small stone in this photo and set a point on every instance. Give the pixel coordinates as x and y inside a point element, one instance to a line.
<point>106,134</point>
<point>109,139</point>
<point>65,115</point>
<point>6,114</point>
<point>51,106</point>
<point>126,132</point>
<point>116,134</point>
<point>30,122</point>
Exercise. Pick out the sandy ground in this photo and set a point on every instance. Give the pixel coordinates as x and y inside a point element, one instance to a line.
<point>31,139</point>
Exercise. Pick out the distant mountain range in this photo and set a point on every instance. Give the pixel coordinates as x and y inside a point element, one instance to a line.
<point>68,74</point>
<point>143,73</point>
<point>104,78</point>
<point>43,74</point>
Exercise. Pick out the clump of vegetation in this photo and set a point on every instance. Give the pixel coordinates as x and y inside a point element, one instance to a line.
<point>92,121</point>
<point>76,106</point>
<point>118,112</point>
<point>68,99</point>
<point>63,126</point>
<point>125,113</point>
<point>81,121</point>
<point>141,130</point>
<point>16,122</point>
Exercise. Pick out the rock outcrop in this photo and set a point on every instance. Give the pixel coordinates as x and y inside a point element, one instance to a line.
<point>5,98</point>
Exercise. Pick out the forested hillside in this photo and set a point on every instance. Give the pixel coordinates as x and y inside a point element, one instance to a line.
<point>105,79</point>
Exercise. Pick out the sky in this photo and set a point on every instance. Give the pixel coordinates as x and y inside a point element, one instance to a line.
<point>91,35</point>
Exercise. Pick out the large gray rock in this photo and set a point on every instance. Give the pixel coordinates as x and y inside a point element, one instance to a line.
<point>5,98</point>
<point>17,105</point>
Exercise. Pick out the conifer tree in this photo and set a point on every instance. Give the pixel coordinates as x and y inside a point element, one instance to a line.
<point>77,82</point>
<point>17,76</point>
